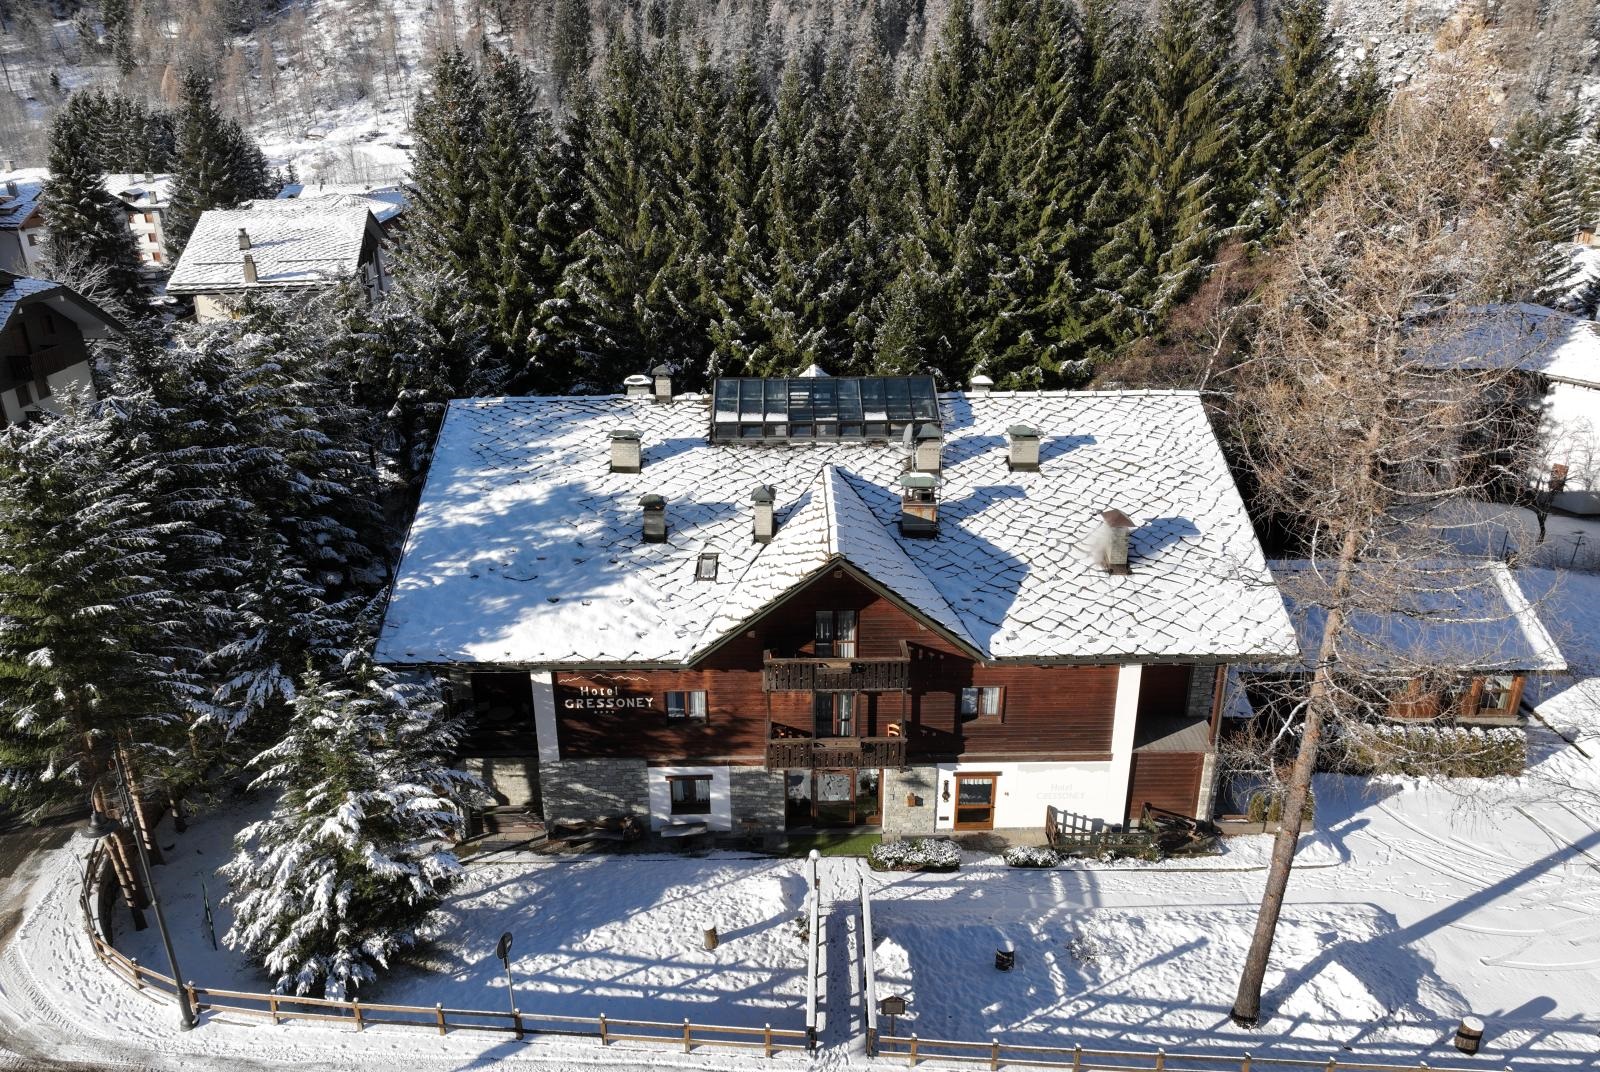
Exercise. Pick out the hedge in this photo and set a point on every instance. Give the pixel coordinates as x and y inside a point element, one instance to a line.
<point>917,854</point>
<point>1429,749</point>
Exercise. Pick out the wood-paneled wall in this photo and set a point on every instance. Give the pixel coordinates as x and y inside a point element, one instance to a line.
<point>1169,780</point>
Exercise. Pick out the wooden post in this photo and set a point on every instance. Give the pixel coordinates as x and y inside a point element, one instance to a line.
<point>138,980</point>
<point>1244,1064</point>
<point>711,938</point>
<point>1077,1057</point>
<point>766,1040</point>
<point>911,1055</point>
<point>438,1011</point>
<point>272,1008</point>
<point>1333,1065</point>
<point>193,1004</point>
<point>1161,1052</point>
<point>516,1022</point>
<point>994,1054</point>
<point>688,1042</point>
<point>603,1040</point>
<point>355,1007</point>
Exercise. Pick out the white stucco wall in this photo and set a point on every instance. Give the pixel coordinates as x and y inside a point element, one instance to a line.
<point>721,816</point>
<point>1024,790</point>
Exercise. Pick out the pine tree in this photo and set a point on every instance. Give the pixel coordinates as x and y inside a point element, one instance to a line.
<point>1544,206</point>
<point>216,165</point>
<point>88,229</point>
<point>117,20</point>
<point>348,870</point>
<point>569,47</point>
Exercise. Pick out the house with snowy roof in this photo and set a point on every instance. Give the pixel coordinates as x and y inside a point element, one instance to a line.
<point>278,247</point>
<point>819,601</point>
<point>44,328</point>
<point>145,199</point>
<point>1557,358</point>
<point>1454,640</point>
<point>387,200</point>
<point>22,228</point>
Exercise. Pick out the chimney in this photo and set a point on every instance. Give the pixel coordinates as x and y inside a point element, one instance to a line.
<point>249,268</point>
<point>926,456</point>
<point>1108,545</point>
<point>663,383</point>
<point>626,454</point>
<point>919,505</point>
<point>761,500</point>
<point>980,385</point>
<point>244,238</point>
<point>11,188</point>
<point>655,518</point>
<point>1023,455</point>
<point>637,386</point>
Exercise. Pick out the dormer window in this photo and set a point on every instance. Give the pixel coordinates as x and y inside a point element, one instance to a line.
<point>836,634</point>
<point>706,568</point>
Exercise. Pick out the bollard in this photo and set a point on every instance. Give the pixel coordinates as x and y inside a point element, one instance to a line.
<point>1469,1034</point>
<point>1005,958</point>
<point>711,938</point>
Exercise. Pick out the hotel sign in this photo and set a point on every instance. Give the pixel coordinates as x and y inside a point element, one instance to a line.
<point>604,696</point>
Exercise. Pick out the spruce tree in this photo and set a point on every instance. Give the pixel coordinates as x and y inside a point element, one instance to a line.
<point>216,165</point>
<point>88,228</point>
<point>350,867</point>
<point>1544,205</point>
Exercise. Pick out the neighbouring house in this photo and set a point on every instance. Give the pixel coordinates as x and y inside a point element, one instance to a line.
<point>43,331</point>
<point>23,237</point>
<point>145,198</point>
<point>278,246</point>
<point>387,200</point>
<point>811,602</point>
<point>1453,641</point>
<point>1557,357</point>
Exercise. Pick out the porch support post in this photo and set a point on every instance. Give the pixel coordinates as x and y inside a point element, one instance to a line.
<point>544,715</point>
<point>1125,717</point>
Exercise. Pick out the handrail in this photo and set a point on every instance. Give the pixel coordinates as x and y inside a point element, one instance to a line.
<point>869,972</point>
<point>813,947</point>
<point>1159,1060</point>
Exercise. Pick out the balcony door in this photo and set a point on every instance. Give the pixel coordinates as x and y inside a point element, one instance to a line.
<point>836,714</point>
<point>975,800</point>
<point>847,797</point>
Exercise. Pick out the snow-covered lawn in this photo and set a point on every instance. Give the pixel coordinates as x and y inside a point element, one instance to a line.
<point>622,935</point>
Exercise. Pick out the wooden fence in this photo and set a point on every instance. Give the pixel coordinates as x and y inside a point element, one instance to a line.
<point>360,1015</point>
<point>995,1055</point>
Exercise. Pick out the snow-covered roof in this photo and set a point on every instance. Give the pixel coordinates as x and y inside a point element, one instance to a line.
<point>386,199</point>
<point>1532,338</point>
<point>527,550</point>
<point>15,208</point>
<point>293,244</point>
<point>1466,615</point>
<point>143,190</point>
<point>17,289</point>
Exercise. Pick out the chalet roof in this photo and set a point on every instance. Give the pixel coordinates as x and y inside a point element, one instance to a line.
<point>1532,338</point>
<point>526,550</point>
<point>293,244</point>
<point>1464,615</point>
<point>142,190</point>
<point>17,290</point>
<point>386,199</point>
<point>16,208</point>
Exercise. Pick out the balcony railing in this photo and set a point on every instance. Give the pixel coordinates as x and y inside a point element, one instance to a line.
<point>804,753</point>
<point>816,674</point>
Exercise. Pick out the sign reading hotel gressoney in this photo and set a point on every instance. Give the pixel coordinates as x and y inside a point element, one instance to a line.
<point>605,698</point>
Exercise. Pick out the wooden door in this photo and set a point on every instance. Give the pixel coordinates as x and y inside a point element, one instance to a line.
<point>975,799</point>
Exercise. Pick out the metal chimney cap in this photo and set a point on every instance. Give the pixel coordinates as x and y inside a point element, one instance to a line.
<point>624,433</point>
<point>1117,519</point>
<point>980,381</point>
<point>763,493</point>
<point>653,501</point>
<point>638,380</point>
<point>920,481</point>
<point>1022,431</point>
<point>661,370</point>
<point>930,431</point>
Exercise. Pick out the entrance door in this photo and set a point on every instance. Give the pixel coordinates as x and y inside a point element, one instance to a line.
<point>975,796</point>
<point>834,799</point>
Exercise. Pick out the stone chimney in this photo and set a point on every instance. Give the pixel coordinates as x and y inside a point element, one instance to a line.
<point>249,268</point>
<point>655,518</point>
<point>980,385</point>
<point>919,505</point>
<point>244,238</point>
<point>761,502</point>
<point>626,454</point>
<point>662,383</point>
<point>928,449</point>
<point>1108,544</point>
<point>637,386</point>
<point>1023,454</point>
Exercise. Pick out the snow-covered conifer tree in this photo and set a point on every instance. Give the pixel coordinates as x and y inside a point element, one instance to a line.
<point>87,224</point>
<point>350,868</point>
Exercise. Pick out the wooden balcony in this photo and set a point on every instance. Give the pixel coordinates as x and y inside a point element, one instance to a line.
<point>813,674</point>
<point>805,753</point>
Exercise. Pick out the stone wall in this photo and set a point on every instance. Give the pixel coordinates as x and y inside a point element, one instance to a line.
<point>594,788</point>
<point>756,793</point>
<point>898,817</point>
<point>514,780</point>
<point>1202,691</point>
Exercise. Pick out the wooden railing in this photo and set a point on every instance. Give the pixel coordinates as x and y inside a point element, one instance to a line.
<point>806,753</point>
<point>816,674</point>
<point>278,1008</point>
<point>816,952</point>
<point>996,1054</point>
<point>869,973</point>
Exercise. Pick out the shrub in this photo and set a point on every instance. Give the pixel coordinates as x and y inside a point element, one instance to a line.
<point>1428,749</point>
<point>1031,856</point>
<point>917,854</point>
<point>1266,806</point>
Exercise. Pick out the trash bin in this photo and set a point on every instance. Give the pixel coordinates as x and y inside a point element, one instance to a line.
<point>1005,958</point>
<point>1469,1035</point>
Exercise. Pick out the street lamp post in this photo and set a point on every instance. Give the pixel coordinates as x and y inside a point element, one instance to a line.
<point>102,825</point>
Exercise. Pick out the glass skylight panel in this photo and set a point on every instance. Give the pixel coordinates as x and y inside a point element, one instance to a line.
<point>807,408</point>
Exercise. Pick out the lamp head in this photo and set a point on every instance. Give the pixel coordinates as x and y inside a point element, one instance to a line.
<point>101,825</point>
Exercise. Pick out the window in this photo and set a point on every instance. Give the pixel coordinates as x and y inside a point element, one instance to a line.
<point>706,568</point>
<point>33,240</point>
<point>834,714</point>
<point>836,634</point>
<point>1497,694</point>
<point>985,702</point>
<point>691,794</point>
<point>155,255</point>
<point>686,705</point>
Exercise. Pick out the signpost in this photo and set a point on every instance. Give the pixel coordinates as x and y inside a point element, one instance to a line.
<point>892,1006</point>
